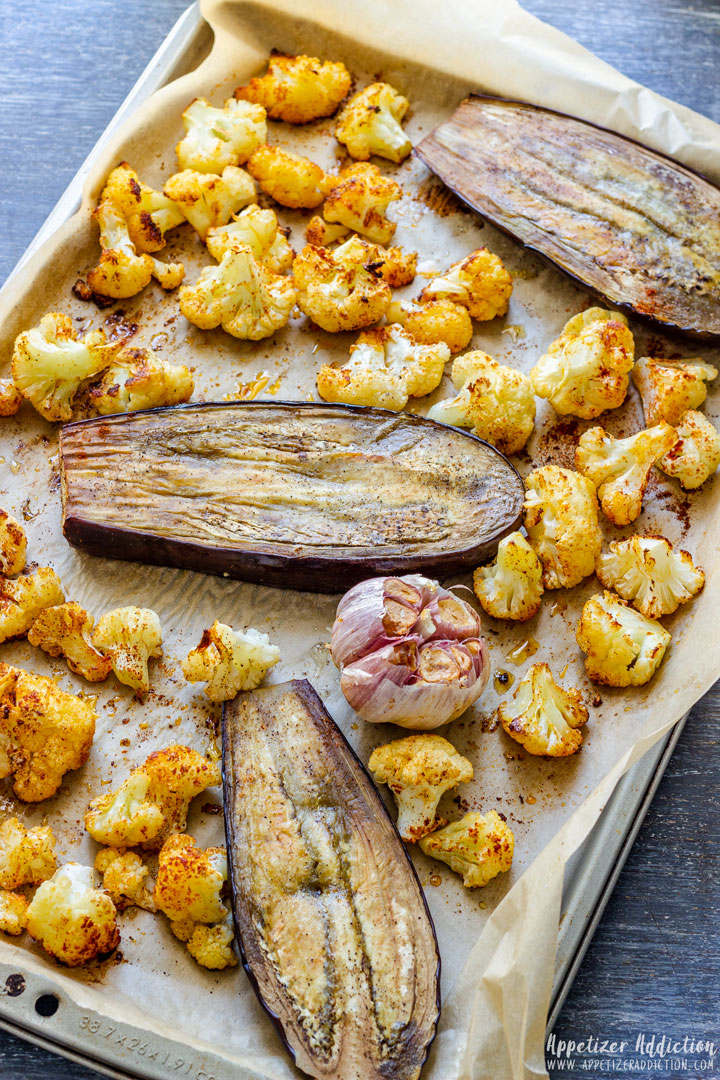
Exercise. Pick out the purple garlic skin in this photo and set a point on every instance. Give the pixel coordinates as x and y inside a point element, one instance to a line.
<point>411,652</point>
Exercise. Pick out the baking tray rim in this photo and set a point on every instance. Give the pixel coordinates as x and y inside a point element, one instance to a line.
<point>591,873</point>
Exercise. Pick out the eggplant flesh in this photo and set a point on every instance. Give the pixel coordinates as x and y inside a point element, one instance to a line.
<point>290,494</point>
<point>633,226</point>
<point>332,923</point>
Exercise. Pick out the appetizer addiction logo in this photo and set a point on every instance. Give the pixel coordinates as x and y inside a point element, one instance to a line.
<point>643,1053</point>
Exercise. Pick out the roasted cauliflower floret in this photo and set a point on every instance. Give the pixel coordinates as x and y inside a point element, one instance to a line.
<point>542,717</point>
<point>44,733</point>
<point>72,920</point>
<point>322,233</point>
<point>121,272</point>
<point>24,598</point>
<point>669,388</point>
<point>212,947</point>
<point>623,647</point>
<point>438,320</point>
<point>241,295</point>
<point>696,454</point>
<point>149,214</point>
<point>586,370</point>
<point>495,402</point>
<point>337,290</point>
<point>153,802</point>
<point>287,178</point>
<point>10,398</point>
<point>386,368</point>
<point>13,545</point>
<point>125,879</point>
<point>13,912</point>
<point>370,124</point>
<point>620,468</point>
<point>230,661</point>
<point>478,846</point>
<point>27,856</point>
<point>298,89</point>
<point>50,363</point>
<point>561,520</point>
<point>260,231</point>
<point>479,282</point>
<point>130,636</point>
<point>511,587</point>
<point>646,571</point>
<point>215,138</point>
<point>208,200</point>
<point>359,198</point>
<point>395,266</point>
<point>64,630</point>
<point>419,770</point>
<point>190,880</point>
<point>139,379</point>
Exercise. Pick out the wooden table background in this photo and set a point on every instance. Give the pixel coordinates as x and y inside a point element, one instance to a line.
<point>66,67</point>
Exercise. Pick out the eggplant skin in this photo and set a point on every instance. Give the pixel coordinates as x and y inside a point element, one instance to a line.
<point>290,494</point>
<point>333,926</point>
<point>633,226</point>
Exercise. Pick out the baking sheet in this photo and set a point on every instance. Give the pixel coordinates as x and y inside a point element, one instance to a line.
<point>541,304</point>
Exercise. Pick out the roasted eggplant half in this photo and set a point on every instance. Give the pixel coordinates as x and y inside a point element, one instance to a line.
<point>634,227</point>
<point>332,923</point>
<point>297,495</point>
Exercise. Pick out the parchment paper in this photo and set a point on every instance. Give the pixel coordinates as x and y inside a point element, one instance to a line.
<point>497,944</point>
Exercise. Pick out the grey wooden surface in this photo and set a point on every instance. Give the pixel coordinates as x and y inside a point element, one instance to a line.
<point>653,965</point>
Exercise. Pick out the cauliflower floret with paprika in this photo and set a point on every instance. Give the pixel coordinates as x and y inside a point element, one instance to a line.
<point>561,520</point>
<point>211,946</point>
<point>321,233</point>
<point>241,295</point>
<point>586,370</point>
<point>287,178</point>
<point>13,912</point>
<point>298,89</point>
<point>24,598</point>
<point>419,770</point>
<point>130,636</point>
<point>148,213</point>
<point>50,363</point>
<point>542,717</point>
<point>438,320</point>
<point>359,198</point>
<point>395,266</point>
<point>208,200</point>
<point>260,231</point>
<point>139,379</point>
<point>72,920</point>
<point>64,630</point>
<point>44,733</point>
<point>478,846</point>
<point>13,545</point>
<point>10,398</point>
<point>125,879</point>
<point>370,124</point>
<point>479,282</point>
<point>122,272</point>
<point>217,137</point>
<point>496,402</point>
<point>696,454</point>
<point>623,647</point>
<point>27,856</point>
<point>669,388</point>
<point>230,661</point>
<point>646,571</point>
<point>386,368</point>
<point>511,587</point>
<point>620,468</point>
<point>337,290</point>
<point>190,881</point>
<point>153,801</point>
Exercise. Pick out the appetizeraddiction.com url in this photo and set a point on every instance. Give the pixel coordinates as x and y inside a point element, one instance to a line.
<point>615,1066</point>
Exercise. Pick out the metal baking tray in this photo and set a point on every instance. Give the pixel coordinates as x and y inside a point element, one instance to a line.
<point>121,1051</point>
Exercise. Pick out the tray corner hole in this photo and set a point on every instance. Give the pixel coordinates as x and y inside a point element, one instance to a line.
<point>47,1005</point>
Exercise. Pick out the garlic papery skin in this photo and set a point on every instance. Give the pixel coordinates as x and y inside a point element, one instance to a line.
<point>410,652</point>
